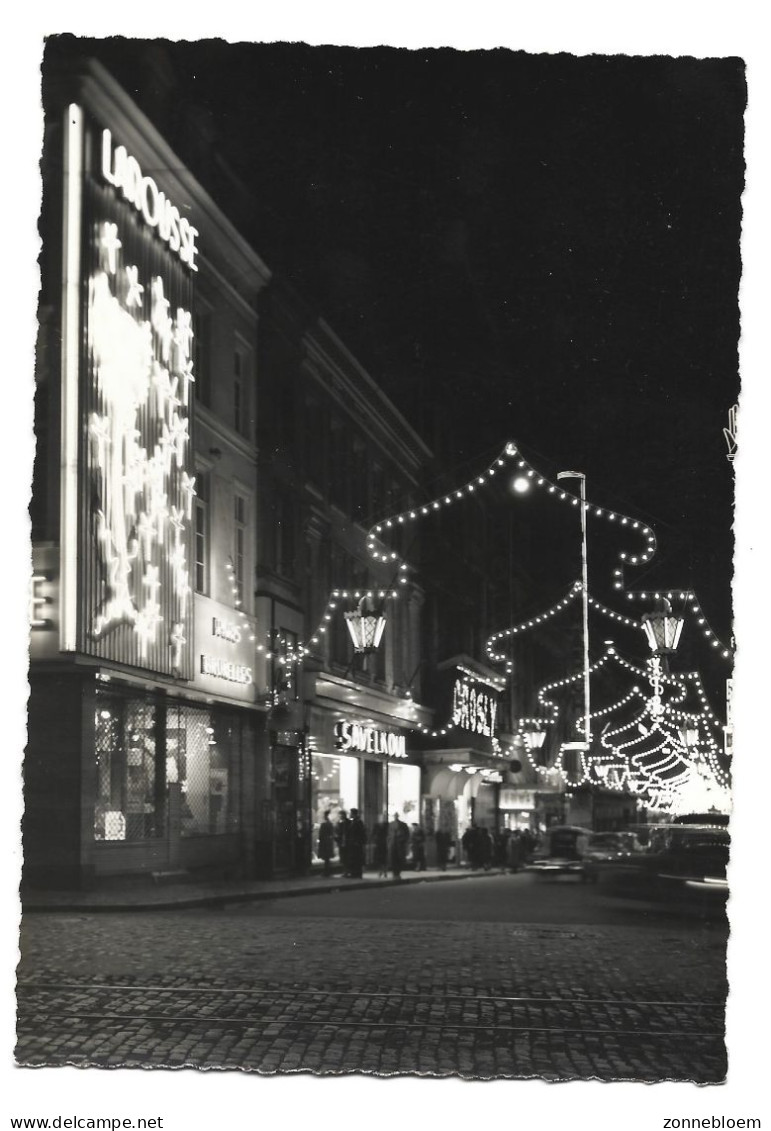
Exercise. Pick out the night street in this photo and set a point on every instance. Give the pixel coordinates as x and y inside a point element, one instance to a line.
<point>501,976</point>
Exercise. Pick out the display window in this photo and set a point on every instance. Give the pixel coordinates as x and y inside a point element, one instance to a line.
<point>334,787</point>
<point>404,792</point>
<point>143,747</point>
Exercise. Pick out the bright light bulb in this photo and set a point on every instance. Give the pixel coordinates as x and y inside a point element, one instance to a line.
<point>521,485</point>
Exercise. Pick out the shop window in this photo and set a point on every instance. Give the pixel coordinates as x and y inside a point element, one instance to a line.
<point>150,759</point>
<point>130,784</point>
<point>404,792</point>
<point>203,756</point>
<point>334,787</point>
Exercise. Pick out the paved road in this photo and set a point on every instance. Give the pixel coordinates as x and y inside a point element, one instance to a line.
<point>500,977</point>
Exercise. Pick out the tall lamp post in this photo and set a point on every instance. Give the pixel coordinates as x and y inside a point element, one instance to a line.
<point>579,475</point>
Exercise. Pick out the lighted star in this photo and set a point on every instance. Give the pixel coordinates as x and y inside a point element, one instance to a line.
<point>134,289</point>
<point>109,245</point>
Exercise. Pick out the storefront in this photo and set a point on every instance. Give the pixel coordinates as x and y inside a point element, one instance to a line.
<point>464,767</point>
<point>359,764</point>
<point>143,713</point>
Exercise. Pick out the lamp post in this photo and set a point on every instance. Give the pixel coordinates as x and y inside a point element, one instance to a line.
<point>579,475</point>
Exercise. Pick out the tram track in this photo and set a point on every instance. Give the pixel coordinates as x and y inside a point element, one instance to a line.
<point>43,1005</point>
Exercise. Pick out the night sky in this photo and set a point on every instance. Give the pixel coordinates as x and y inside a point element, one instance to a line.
<point>542,248</point>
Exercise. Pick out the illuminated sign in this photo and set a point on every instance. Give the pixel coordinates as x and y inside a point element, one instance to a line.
<point>127,387</point>
<point>142,371</point>
<point>225,631</point>
<point>473,708</point>
<point>369,740</point>
<point>123,172</point>
<point>225,669</point>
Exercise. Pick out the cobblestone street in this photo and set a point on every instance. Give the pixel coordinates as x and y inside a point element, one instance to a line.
<point>271,991</point>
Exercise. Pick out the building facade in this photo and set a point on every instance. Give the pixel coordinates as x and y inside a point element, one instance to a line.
<point>144,682</point>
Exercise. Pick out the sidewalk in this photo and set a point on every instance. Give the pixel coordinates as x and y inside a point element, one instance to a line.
<point>150,896</point>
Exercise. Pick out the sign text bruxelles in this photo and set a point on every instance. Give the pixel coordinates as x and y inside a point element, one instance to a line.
<point>369,740</point>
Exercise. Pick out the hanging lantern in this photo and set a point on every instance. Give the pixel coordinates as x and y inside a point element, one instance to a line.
<point>662,628</point>
<point>689,736</point>
<point>365,624</point>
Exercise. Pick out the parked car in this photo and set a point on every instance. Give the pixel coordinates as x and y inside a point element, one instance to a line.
<point>608,848</point>
<point>561,851</point>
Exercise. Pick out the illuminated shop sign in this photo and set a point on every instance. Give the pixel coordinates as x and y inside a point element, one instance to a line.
<point>473,708</point>
<point>134,480</point>
<point>369,740</point>
<point>123,172</point>
<point>225,669</point>
<point>225,631</point>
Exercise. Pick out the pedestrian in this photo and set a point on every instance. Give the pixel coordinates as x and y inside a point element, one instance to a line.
<point>470,844</point>
<point>326,847</point>
<point>485,848</point>
<point>356,839</point>
<point>501,841</point>
<point>516,850</point>
<point>418,844</point>
<point>380,846</point>
<point>527,844</point>
<point>442,849</point>
<point>398,840</point>
<point>341,837</point>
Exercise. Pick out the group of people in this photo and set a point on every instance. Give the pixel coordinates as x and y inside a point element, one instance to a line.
<point>393,842</point>
<point>507,849</point>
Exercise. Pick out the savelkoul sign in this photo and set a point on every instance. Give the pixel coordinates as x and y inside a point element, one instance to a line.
<point>369,740</point>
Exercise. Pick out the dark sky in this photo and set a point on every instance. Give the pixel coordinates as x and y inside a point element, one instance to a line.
<point>542,248</point>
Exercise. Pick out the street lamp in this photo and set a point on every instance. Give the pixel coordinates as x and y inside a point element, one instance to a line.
<point>662,629</point>
<point>579,475</point>
<point>365,625</point>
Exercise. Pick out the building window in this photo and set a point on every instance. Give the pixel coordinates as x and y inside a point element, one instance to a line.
<point>241,379</point>
<point>285,537</point>
<point>201,533</point>
<point>201,345</point>
<point>239,546</point>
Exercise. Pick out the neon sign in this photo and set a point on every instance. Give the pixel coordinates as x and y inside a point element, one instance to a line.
<point>369,740</point>
<point>123,172</point>
<point>139,437</point>
<point>473,709</point>
<point>225,669</point>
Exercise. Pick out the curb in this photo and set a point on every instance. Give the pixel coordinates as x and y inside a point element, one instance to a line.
<point>219,899</point>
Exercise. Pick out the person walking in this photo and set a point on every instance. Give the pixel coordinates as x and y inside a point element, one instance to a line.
<point>326,846</point>
<point>398,840</point>
<point>418,845</point>
<point>380,846</point>
<point>341,837</point>
<point>356,840</point>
